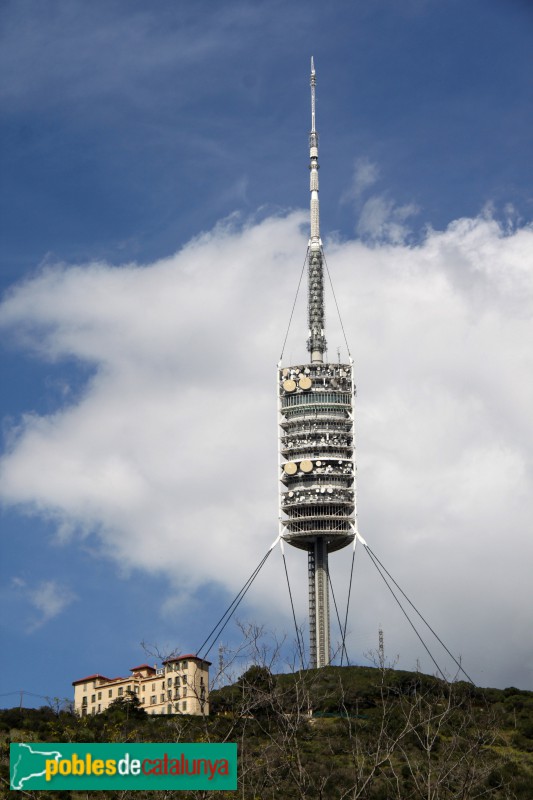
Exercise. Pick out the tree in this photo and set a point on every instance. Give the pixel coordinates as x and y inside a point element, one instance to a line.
<point>377,734</point>
<point>127,707</point>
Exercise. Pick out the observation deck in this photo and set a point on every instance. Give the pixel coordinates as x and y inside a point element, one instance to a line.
<point>317,496</point>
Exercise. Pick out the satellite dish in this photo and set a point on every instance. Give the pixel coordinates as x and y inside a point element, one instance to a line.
<point>306,466</point>
<point>289,385</point>
<point>290,468</point>
<point>319,463</point>
<point>305,383</point>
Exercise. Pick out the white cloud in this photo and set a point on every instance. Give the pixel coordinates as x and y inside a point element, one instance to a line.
<point>379,218</point>
<point>382,220</point>
<point>365,174</point>
<point>48,598</point>
<point>168,458</point>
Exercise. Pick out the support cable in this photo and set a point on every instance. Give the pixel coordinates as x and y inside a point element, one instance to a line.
<point>294,304</point>
<point>336,304</point>
<point>406,615</point>
<point>300,645</point>
<point>231,609</point>
<point>343,646</point>
<point>343,631</point>
<point>421,617</point>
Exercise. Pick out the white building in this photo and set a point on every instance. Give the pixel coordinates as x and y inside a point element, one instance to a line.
<point>179,686</point>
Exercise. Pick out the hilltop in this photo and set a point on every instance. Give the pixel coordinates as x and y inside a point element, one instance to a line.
<point>338,732</point>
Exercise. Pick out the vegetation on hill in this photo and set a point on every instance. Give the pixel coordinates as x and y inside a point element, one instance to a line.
<point>340,732</point>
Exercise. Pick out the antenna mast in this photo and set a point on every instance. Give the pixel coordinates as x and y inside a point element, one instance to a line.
<point>316,342</point>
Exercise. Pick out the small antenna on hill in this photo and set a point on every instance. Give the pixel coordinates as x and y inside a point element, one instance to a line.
<point>220,661</point>
<point>381,648</point>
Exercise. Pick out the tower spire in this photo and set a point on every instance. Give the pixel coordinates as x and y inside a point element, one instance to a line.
<point>315,242</point>
<point>316,343</point>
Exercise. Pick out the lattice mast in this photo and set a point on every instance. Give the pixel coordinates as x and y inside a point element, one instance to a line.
<point>315,414</point>
<point>316,343</point>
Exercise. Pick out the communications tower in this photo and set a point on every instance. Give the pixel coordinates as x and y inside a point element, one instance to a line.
<point>316,439</point>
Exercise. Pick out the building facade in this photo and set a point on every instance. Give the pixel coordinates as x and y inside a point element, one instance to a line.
<point>179,686</point>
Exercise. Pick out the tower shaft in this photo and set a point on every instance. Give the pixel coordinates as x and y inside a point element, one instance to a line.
<point>319,645</point>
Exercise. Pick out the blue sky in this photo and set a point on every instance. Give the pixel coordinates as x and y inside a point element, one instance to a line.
<point>154,194</point>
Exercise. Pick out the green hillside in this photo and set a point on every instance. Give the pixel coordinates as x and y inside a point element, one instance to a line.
<point>339,732</point>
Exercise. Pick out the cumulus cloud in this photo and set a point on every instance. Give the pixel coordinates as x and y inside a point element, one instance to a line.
<point>167,459</point>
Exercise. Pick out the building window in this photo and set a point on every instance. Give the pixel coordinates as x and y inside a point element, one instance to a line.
<point>169,709</point>
<point>93,710</point>
<point>136,690</point>
<point>185,691</point>
<point>84,687</point>
<point>142,700</point>
<point>169,695</point>
<point>177,680</point>
<point>84,701</point>
<point>153,699</point>
<point>128,688</point>
<point>153,687</point>
<point>162,700</point>
<point>99,695</point>
<point>162,684</point>
<point>93,698</point>
<point>185,665</point>
<point>120,691</point>
<point>99,707</point>
<point>110,693</point>
<point>169,682</point>
<point>184,705</point>
<point>144,688</point>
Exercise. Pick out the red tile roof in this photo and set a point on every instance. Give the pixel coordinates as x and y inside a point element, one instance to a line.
<point>96,676</point>
<point>142,666</point>
<point>188,656</point>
